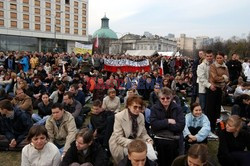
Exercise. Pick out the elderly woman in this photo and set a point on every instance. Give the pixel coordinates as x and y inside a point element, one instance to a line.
<point>218,77</point>
<point>167,122</point>
<point>111,102</point>
<point>40,151</point>
<point>232,144</point>
<point>129,125</point>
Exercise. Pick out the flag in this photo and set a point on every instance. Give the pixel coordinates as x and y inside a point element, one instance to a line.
<point>161,72</point>
<point>96,43</point>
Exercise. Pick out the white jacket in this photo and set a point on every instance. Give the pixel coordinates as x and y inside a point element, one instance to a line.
<point>203,76</point>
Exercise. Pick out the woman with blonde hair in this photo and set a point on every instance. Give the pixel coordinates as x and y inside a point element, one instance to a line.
<point>232,143</point>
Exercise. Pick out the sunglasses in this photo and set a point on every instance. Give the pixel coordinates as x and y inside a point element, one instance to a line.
<point>137,107</point>
<point>165,98</point>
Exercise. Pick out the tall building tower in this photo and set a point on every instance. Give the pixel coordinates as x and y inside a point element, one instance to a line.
<point>42,25</point>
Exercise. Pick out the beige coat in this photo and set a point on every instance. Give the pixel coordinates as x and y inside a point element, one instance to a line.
<point>218,75</point>
<point>119,141</point>
<point>65,134</point>
<point>25,104</point>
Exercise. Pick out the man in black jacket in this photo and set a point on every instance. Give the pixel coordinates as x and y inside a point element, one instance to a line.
<point>15,126</point>
<point>85,150</point>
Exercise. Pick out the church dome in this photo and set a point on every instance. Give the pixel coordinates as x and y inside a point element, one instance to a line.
<point>105,31</point>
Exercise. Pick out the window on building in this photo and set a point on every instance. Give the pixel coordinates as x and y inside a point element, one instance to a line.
<point>26,1</point>
<point>37,11</point>
<point>1,5</point>
<point>37,3</point>
<point>1,23</point>
<point>58,7</point>
<point>83,19</point>
<point>67,30</point>
<point>83,25</point>
<point>26,17</point>
<point>67,23</point>
<point>48,20</point>
<point>26,25</point>
<point>83,32</point>
<point>26,8</point>
<point>84,12</point>
<point>76,10</point>
<point>13,24</point>
<point>1,14</point>
<point>58,22</point>
<point>58,14</point>
<point>67,2</point>
<point>37,18</point>
<point>59,1</point>
<point>13,6</point>
<point>48,28</point>
<point>76,17</point>
<point>84,5</point>
<point>37,27</point>
<point>48,5</point>
<point>75,24</point>
<point>76,31</point>
<point>76,4</point>
<point>67,16</point>
<point>48,12</point>
<point>58,29</point>
<point>67,8</point>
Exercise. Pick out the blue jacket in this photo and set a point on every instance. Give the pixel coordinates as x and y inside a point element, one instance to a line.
<point>25,62</point>
<point>18,127</point>
<point>201,121</point>
<point>159,116</point>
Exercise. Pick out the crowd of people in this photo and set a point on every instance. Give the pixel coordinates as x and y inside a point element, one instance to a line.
<point>44,110</point>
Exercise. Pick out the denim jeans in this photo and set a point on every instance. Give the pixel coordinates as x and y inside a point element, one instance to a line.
<point>39,121</point>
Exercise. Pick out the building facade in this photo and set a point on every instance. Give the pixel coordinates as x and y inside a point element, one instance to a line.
<point>43,25</point>
<point>186,45</point>
<point>137,42</point>
<point>203,41</point>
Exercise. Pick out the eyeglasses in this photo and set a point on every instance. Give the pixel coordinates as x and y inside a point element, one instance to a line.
<point>165,98</point>
<point>137,107</point>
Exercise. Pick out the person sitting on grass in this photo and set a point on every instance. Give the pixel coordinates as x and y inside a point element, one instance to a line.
<point>84,151</point>
<point>15,126</point>
<point>39,151</point>
<point>137,155</point>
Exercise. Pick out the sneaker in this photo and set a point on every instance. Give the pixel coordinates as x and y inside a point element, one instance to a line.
<point>212,136</point>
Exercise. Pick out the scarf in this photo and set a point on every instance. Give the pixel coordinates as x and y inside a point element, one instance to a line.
<point>134,124</point>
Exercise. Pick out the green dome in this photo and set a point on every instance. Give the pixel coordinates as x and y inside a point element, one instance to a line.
<point>105,32</point>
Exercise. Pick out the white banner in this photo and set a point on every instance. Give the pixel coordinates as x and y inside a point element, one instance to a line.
<point>125,62</point>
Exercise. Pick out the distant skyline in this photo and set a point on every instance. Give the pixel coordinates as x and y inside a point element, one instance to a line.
<point>212,18</point>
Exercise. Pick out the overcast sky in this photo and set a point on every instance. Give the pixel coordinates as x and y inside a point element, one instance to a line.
<point>224,18</point>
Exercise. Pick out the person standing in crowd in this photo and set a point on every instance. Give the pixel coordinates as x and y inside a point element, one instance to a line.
<point>232,144</point>
<point>61,128</point>
<point>39,151</point>
<point>129,125</point>
<point>167,122</point>
<point>203,79</point>
<point>111,102</point>
<point>44,110</point>
<point>218,77</point>
<point>15,126</point>
<point>234,68</point>
<point>137,155</point>
<point>84,151</point>
<point>197,61</point>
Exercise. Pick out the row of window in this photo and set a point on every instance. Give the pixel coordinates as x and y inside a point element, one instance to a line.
<point>26,25</point>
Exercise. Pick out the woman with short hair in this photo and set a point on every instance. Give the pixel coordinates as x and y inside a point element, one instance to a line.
<point>111,102</point>
<point>40,151</point>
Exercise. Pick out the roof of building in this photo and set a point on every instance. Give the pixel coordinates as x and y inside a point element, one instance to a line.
<point>105,31</point>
